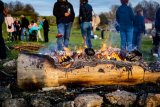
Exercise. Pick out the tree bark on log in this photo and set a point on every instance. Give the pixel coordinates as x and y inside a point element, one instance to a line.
<point>38,71</point>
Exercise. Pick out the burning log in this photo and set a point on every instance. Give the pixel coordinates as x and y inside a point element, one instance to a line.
<point>40,71</point>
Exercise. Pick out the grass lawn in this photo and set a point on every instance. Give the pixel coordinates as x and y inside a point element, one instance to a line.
<point>76,41</point>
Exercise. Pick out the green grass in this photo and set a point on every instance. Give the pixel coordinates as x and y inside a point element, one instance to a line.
<point>111,39</point>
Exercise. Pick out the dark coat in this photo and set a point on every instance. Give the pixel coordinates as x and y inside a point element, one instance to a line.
<point>125,16</point>
<point>157,20</point>
<point>24,22</point>
<point>1,12</point>
<point>139,24</point>
<point>85,13</point>
<point>46,25</point>
<point>59,10</point>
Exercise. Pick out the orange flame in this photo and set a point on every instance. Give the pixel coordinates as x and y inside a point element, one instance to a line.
<point>104,47</point>
<point>80,50</point>
<point>108,53</point>
<point>67,51</point>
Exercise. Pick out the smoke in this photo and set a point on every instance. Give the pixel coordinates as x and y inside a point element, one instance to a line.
<point>48,50</point>
<point>113,39</point>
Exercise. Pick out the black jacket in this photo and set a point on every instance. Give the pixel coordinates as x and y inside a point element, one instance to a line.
<point>59,10</point>
<point>85,13</point>
<point>157,21</point>
<point>24,22</point>
<point>1,12</point>
<point>1,7</point>
<point>46,25</point>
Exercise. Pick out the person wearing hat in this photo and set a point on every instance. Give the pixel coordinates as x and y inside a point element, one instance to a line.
<point>139,28</point>
<point>64,13</point>
<point>85,19</point>
<point>125,18</point>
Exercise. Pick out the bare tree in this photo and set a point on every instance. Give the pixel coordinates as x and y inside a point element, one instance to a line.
<point>17,8</point>
<point>149,8</point>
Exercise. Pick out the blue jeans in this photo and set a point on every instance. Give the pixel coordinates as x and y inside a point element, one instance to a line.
<point>86,31</point>
<point>24,32</point>
<point>64,29</point>
<point>126,39</point>
<point>137,38</point>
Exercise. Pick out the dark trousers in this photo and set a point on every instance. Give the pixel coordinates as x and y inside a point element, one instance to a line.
<point>2,44</point>
<point>156,42</point>
<point>45,35</point>
<point>17,35</point>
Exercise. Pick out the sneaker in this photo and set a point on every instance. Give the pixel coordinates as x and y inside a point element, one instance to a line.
<point>155,55</point>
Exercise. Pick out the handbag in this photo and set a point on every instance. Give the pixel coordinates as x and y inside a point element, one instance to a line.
<point>9,26</point>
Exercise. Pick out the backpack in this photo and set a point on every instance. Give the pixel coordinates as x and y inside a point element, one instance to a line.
<point>95,21</point>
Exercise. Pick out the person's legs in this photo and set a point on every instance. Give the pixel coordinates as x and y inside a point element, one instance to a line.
<point>12,36</point>
<point>134,42</point>
<point>15,35</point>
<point>123,40</point>
<point>61,30</point>
<point>19,35</point>
<point>156,43</point>
<point>68,27</point>
<point>39,35</point>
<point>45,35</point>
<point>139,41</point>
<point>129,39</point>
<point>27,34</point>
<point>83,36</point>
<point>88,37</point>
<point>87,31</point>
<point>9,37</point>
<point>22,34</point>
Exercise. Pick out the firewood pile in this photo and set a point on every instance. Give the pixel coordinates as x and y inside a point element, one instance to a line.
<point>69,60</point>
<point>27,47</point>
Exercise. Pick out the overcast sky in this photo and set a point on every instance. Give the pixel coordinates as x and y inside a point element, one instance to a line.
<point>45,7</point>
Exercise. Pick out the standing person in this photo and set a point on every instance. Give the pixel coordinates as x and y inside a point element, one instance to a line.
<point>33,30</point>
<point>17,27</point>
<point>139,28</point>
<point>24,28</point>
<point>40,26</point>
<point>45,29</point>
<point>125,17</point>
<point>10,27</point>
<point>3,11</point>
<point>64,13</point>
<point>85,18</point>
<point>156,38</point>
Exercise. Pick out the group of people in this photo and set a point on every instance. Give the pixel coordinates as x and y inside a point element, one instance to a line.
<point>22,29</point>
<point>131,27</point>
<point>64,13</point>
<point>19,29</point>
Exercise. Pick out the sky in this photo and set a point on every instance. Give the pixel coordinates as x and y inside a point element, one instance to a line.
<point>45,7</point>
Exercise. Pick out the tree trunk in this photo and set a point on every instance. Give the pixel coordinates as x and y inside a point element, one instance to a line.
<point>38,71</point>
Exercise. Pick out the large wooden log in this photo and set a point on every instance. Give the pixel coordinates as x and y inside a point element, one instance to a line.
<point>40,71</point>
